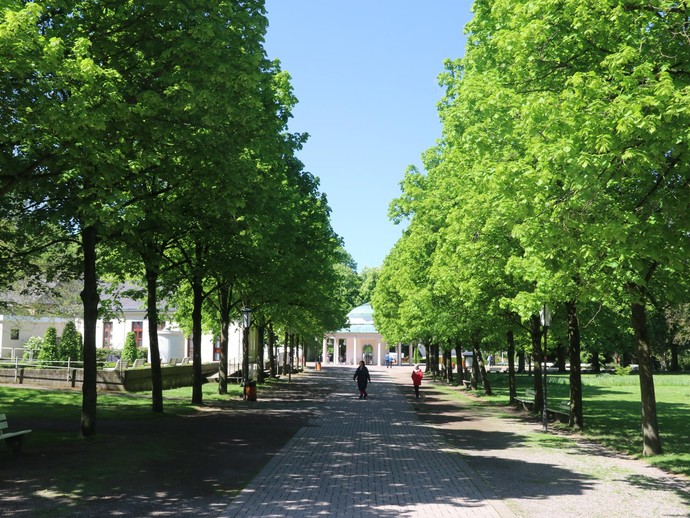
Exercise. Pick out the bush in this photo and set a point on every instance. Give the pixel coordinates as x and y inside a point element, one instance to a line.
<point>102,355</point>
<point>71,346</point>
<point>623,371</point>
<point>129,352</point>
<point>32,347</point>
<point>49,350</point>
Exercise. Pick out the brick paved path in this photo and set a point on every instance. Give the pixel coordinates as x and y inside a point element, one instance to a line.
<point>361,458</point>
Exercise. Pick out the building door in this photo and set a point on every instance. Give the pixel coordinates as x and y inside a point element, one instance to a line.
<point>368,354</point>
<point>342,350</point>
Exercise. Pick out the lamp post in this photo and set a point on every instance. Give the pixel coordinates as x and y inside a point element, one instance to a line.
<point>246,323</point>
<point>545,316</point>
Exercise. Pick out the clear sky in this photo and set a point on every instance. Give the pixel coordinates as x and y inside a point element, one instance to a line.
<point>365,73</point>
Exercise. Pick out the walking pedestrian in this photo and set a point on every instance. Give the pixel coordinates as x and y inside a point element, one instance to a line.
<point>417,376</point>
<point>388,360</point>
<point>362,377</point>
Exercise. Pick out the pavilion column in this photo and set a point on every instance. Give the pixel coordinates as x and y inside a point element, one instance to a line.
<point>324,351</point>
<point>378,354</point>
<point>355,359</point>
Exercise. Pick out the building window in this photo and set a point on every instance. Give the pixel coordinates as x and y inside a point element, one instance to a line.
<point>107,335</point>
<point>14,334</point>
<point>138,330</point>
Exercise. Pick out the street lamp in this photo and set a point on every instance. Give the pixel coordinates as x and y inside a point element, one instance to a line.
<point>545,316</point>
<point>246,324</point>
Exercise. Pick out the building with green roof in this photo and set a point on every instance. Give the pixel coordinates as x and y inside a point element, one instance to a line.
<point>358,340</point>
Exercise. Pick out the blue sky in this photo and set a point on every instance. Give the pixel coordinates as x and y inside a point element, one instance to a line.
<point>365,73</point>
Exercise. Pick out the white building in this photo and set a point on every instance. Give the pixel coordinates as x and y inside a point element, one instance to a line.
<point>16,330</point>
<point>112,333</point>
<point>359,340</point>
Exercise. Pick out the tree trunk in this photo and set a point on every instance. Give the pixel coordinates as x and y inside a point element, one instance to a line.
<point>272,351</point>
<point>674,367</point>
<point>480,368</point>
<point>285,353</point>
<point>224,305</point>
<point>260,355</point>
<point>152,313</point>
<point>198,298</point>
<point>458,357</point>
<point>535,332</point>
<point>90,300</point>
<point>292,356</point>
<point>596,367</point>
<point>521,362</point>
<point>650,428</point>
<point>575,419</point>
<point>448,362</point>
<point>429,362</point>
<point>512,390</point>
<point>561,353</point>
<point>437,358</point>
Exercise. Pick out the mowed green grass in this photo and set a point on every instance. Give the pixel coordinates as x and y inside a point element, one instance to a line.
<point>612,411</point>
<point>63,408</point>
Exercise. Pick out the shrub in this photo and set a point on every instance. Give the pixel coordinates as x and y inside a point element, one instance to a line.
<point>623,371</point>
<point>49,350</point>
<point>32,347</point>
<point>102,355</point>
<point>129,352</point>
<point>71,347</point>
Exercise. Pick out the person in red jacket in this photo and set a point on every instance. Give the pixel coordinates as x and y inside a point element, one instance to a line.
<point>417,376</point>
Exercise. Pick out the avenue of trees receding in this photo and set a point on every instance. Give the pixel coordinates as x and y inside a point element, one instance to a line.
<point>147,141</point>
<point>561,178</point>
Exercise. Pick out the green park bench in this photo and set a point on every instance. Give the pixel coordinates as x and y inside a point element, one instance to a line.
<point>527,400</point>
<point>561,411</point>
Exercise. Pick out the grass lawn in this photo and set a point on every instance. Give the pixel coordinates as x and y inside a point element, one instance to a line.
<point>612,411</point>
<point>199,455</point>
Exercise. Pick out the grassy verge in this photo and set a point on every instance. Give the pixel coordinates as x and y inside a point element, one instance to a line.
<point>63,408</point>
<point>612,412</point>
<point>136,458</point>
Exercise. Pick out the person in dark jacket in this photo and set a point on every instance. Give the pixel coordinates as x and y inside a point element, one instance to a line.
<point>362,377</point>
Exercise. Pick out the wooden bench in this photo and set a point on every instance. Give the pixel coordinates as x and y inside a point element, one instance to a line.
<point>467,383</point>
<point>562,410</point>
<point>139,362</point>
<point>527,400</point>
<point>12,439</point>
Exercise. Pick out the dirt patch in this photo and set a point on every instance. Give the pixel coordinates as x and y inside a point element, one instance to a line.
<point>168,466</point>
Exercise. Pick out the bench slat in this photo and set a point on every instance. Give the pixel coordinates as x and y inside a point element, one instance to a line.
<point>4,425</point>
<point>13,434</point>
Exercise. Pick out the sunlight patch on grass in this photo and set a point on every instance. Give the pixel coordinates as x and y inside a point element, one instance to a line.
<point>546,440</point>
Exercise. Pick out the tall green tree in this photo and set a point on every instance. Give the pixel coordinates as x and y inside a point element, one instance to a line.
<point>71,347</point>
<point>49,348</point>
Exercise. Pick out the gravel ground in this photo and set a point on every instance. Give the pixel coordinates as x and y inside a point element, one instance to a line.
<point>538,476</point>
